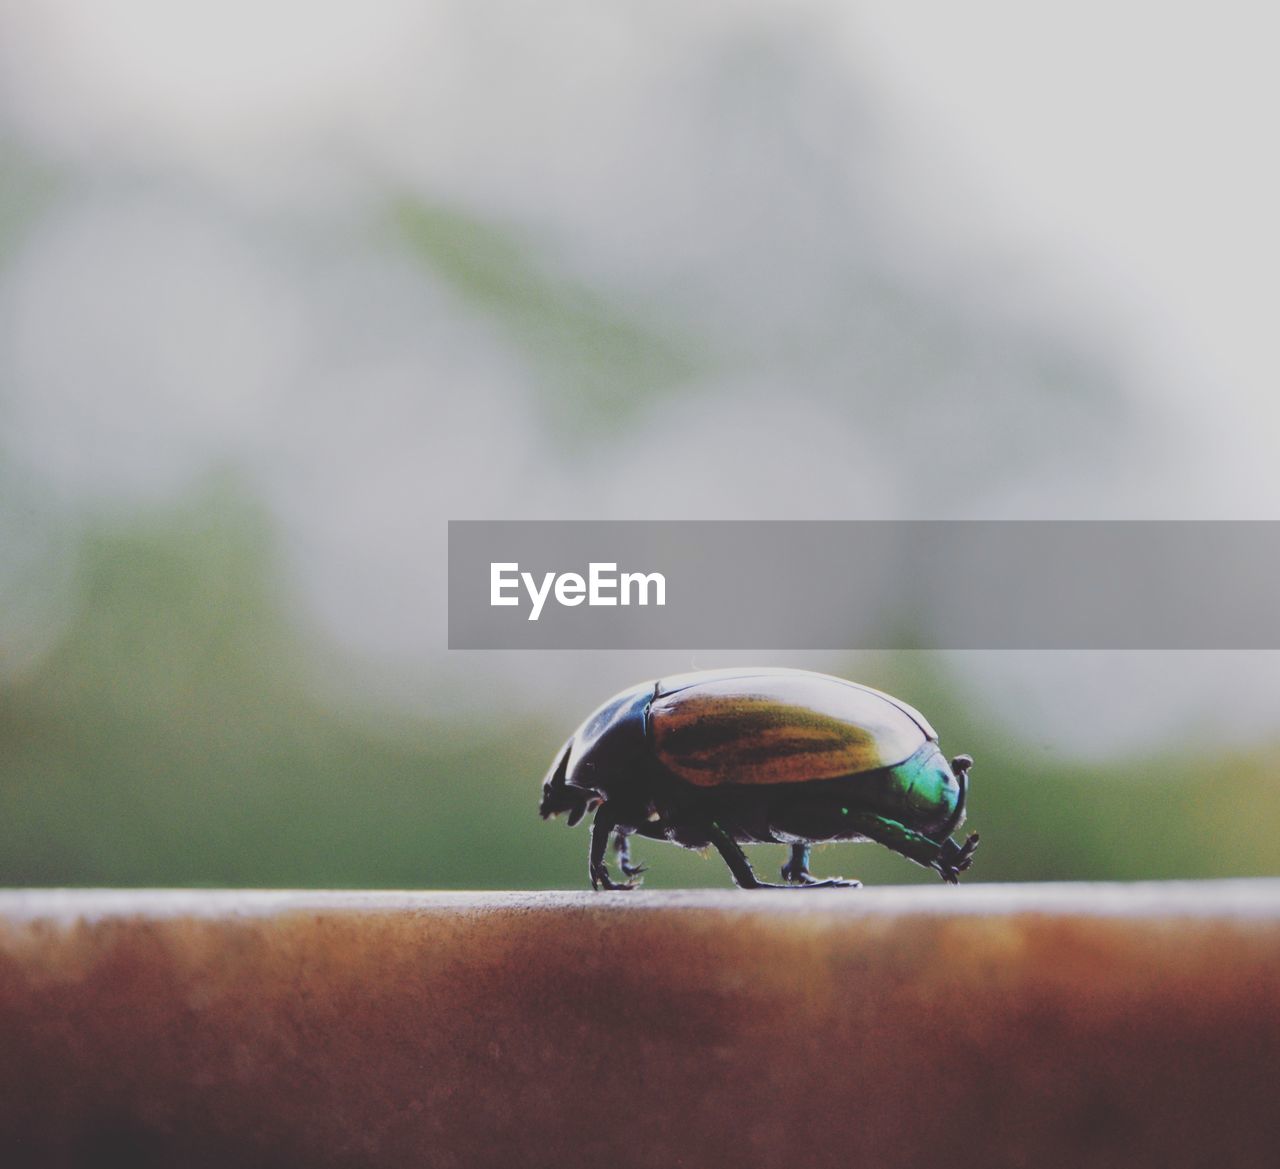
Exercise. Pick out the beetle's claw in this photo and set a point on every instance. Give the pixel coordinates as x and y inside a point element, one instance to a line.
<point>825,883</point>
<point>634,870</point>
<point>600,879</point>
<point>806,880</point>
<point>796,876</point>
<point>954,859</point>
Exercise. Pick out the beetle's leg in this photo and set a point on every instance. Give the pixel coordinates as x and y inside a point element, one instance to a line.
<point>913,845</point>
<point>740,867</point>
<point>796,871</point>
<point>622,850</point>
<point>601,830</point>
<point>948,862</point>
<point>735,858</point>
<point>954,858</point>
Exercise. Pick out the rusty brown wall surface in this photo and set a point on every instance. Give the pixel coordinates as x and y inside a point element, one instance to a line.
<point>986,1026</point>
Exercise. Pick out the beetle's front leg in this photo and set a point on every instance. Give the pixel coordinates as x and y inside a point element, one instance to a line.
<point>601,829</point>
<point>948,859</point>
<point>954,858</point>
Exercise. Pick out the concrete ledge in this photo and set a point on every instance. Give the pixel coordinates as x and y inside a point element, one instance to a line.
<point>1069,1025</point>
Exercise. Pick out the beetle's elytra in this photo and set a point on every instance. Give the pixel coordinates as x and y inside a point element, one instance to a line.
<point>723,758</point>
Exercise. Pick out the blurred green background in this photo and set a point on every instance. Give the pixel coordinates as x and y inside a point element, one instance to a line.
<point>171,737</point>
<point>276,306</point>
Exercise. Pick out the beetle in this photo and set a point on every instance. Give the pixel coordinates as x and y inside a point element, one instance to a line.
<point>722,758</point>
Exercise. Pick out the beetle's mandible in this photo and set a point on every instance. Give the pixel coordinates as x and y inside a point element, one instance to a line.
<point>724,758</point>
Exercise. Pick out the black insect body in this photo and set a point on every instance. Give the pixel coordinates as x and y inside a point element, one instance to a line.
<point>730,757</point>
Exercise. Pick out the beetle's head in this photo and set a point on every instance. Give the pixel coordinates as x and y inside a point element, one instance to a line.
<point>558,796</point>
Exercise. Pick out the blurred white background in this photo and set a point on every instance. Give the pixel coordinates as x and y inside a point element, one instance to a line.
<point>364,268</point>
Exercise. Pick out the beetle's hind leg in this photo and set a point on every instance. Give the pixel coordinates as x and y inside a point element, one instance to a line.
<point>796,871</point>
<point>601,830</point>
<point>622,850</point>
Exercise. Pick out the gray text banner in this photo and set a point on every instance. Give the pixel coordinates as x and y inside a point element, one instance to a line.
<point>865,585</point>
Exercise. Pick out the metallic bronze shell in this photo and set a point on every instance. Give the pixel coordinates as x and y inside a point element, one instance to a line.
<point>778,726</point>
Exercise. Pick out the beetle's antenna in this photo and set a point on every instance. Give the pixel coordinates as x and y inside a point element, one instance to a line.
<point>960,768</point>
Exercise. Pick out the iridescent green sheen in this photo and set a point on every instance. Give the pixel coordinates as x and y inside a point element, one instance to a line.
<point>926,786</point>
